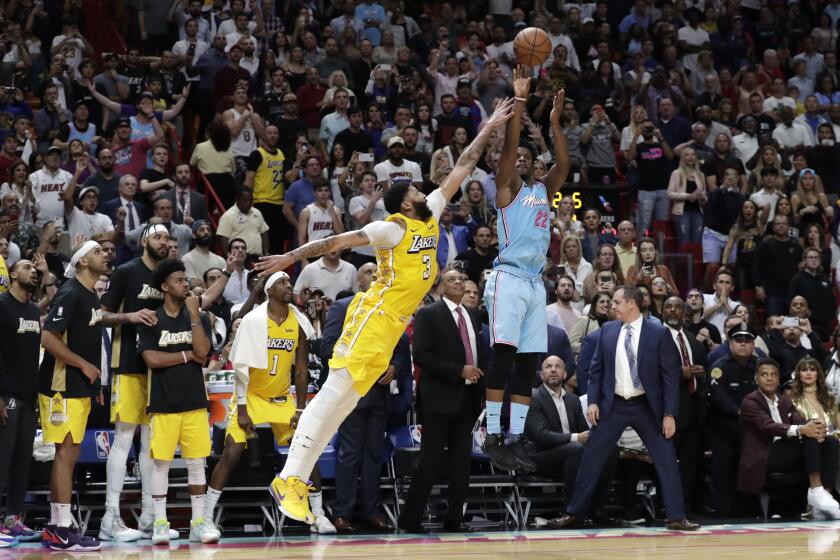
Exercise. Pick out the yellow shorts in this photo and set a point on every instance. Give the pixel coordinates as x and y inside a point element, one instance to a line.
<point>264,411</point>
<point>190,430</point>
<point>60,416</point>
<point>129,396</point>
<point>367,342</point>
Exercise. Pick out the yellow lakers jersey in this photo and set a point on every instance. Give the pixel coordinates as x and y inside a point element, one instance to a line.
<point>274,381</point>
<point>5,282</point>
<point>406,273</point>
<point>268,180</point>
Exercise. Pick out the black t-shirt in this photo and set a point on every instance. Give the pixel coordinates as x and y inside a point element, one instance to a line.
<point>717,166</point>
<point>56,263</point>
<point>178,388</point>
<point>653,166</point>
<point>476,263</point>
<point>20,344</point>
<point>765,124</point>
<point>360,141</point>
<point>289,129</point>
<point>152,176</point>
<point>129,290</point>
<point>271,108</point>
<point>76,316</point>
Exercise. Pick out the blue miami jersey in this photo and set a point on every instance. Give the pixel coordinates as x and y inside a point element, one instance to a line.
<point>524,230</point>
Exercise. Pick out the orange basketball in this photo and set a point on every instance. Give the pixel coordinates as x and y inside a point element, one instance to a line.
<point>531,46</point>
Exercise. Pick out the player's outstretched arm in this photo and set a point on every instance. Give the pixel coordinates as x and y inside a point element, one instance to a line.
<point>472,153</point>
<point>274,263</point>
<point>560,170</point>
<point>507,175</point>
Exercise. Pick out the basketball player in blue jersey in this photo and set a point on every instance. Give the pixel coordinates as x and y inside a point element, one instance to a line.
<point>515,294</point>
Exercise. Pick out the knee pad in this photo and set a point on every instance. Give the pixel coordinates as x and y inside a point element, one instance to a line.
<point>336,397</point>
<point>504,356</point>
<point>160,477</point>
<point>123,437</point>
<point>525,374</point>
<point>195,472</point>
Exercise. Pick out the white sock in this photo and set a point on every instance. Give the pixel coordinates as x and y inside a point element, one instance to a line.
<point>210,501</point>
<point>316,503</point>
<point>116,465</point>
<point>159,507</point>
<point>147,465</point>
<point>53,514</point>
<point>319,421</point>
<point>64,517</point>
<point>197,503</point>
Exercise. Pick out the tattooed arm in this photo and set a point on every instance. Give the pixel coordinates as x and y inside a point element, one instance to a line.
<point>271,264</point>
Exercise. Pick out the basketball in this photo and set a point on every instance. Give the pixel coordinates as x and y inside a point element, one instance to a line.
<point>531,46</point>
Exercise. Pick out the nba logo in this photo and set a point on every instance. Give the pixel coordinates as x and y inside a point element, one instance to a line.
<point>103,444</point>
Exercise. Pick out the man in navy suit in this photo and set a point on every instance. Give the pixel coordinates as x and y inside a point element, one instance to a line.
<point>633,381</point>
<point>454,239</point>
<point>136,213</point>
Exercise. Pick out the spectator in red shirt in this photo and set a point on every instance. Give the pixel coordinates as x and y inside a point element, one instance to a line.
<point>310,95</point>
<point>130,155</point>
<point>228,76</point>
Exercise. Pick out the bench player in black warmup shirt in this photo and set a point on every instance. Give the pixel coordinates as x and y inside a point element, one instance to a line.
<point>68,378</point>
<point>175,348</point>
<point>20,346</point>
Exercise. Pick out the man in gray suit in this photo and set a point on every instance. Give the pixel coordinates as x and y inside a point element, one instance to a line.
<point>189,206</point>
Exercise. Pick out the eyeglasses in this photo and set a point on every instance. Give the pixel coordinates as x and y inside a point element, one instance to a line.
<point>605,279</point>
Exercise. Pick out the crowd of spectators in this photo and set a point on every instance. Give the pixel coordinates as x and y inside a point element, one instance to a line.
<point>720,118</point>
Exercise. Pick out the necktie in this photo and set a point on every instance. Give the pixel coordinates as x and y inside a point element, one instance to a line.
<point>631,357</point>
<point>465,337</point>
<point>129,209</point>
<point>692,383</point>
<point>182,200</point>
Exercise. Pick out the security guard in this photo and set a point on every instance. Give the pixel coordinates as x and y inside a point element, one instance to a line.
<point>731,380</point>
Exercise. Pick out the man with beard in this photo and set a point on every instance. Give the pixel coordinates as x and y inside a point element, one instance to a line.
<point>479,258</point>
<point>106,180</point>
<point>201,258</point>
<point>561,313</point>
<point>129,301</point>
<point>704,115</point>
<point>715,168</point>
<point>20,342</point>
<point>190,206</point>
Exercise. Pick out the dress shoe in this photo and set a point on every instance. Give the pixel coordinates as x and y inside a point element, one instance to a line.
<point>681,525</point>
<point>563,522</point>
<point>343,526</point>
<point>459,527</point>
<point>502,458</point>
<point>414,527</point>
<point>379,525</point>
<point>517,449</point>
<point>602,518</point>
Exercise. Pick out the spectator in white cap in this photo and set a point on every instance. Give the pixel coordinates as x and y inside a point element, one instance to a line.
<point>84,222</point>
<point>395,169</point>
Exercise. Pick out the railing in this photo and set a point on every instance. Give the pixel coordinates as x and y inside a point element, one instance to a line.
<point>215,208</point>
<point>101,30</point>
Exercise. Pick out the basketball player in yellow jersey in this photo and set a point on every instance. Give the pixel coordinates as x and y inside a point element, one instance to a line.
<point>271,339</point>
<point>406,247</point>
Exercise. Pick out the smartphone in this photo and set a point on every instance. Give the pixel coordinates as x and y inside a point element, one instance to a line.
<point>453,207</point>
<point>790,322</point>
<point>385,67</point>
<point>365,157</point>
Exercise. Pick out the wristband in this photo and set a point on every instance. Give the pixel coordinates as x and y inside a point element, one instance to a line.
<point>184,355</point>
<point>194,324</point>
<point>520,99</point>
<point>299,409</point>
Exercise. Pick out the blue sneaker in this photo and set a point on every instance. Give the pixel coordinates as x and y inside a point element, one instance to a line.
<point>65,538</point>
<point>23,533</point>
<point>7,539</point>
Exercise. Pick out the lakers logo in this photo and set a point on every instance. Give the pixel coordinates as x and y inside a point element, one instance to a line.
<point>57,414</point>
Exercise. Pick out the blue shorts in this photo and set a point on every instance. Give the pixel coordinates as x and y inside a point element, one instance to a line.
<point>516,305</point>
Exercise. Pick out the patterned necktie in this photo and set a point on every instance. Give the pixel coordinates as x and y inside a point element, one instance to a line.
<point>465,337</point>
<point>182,200</point>
<point>692,382</point>
<point>129,209</point>
<point>631,357</point>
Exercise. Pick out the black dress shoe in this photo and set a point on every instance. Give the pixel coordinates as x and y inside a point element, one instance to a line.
<point>459,527</point>
<point>602,518</point>
<point>501,456</point>
<point>380,525</point>
<point>412,527</point>
<point>681,525</point>
<point>343,526</point>
<point>563,522</point>
<point>517,449</point>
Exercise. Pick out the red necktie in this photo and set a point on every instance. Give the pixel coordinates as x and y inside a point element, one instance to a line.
<point>692,383</point>
<point>465,337</point>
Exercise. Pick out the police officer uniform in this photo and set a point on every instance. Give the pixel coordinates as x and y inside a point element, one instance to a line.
<point>730,381</point>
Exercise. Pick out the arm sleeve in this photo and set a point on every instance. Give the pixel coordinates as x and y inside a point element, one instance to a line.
<point>383,235</point>
<point>436,202</point>
<point>254,161</point>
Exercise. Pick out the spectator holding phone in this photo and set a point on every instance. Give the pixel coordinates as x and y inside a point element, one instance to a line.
<point>598,136</point>
<point>791,349</point>
<point>396,169</point>
<point>366,208</point>
<point>648,266</point>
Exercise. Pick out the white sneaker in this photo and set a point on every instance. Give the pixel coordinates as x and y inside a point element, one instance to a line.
<point>202,530</point>
<point>146,526</point>
<point>113,528</point>
<point>160,533</point>
<point>322,525</point>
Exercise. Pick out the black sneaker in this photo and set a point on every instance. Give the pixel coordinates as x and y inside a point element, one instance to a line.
<point>517,450</point>
<point>494,447</point>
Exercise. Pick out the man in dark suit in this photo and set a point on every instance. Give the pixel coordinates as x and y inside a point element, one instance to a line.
<point>189,205</point>
<point>361,435</point>
<point>136,213</point>
<point>559,345</point>
<point>690,417</point>
<point>557,431</point>
<point>633,381</point>
<point>587,350</point>
<point>449,350</point>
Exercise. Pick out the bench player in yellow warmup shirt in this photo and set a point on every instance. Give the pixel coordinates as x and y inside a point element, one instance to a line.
<point>406,250</point>
<point>272,337</point>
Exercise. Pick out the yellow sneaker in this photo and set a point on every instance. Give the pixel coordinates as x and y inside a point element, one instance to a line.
<point>292,497</point>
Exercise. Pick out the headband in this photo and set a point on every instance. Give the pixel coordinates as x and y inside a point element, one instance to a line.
<point>87,247</point>
<point>153,229</point>
<point>274,278</point>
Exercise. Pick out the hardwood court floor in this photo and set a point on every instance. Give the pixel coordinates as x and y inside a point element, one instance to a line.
<point>717,542</point>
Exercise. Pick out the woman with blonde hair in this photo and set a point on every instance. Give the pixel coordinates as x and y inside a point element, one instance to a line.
<point>572,262</point>
<point>337,80</point>
<point>638,115</point>
<point>809,202</point>
<point>648,267</point>
<point>687,190</point>
<point>767,156</point>
<point>479,210</point>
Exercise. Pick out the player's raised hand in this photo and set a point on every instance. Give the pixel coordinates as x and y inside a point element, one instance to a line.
<point>557,110</point>
<point>521,81</point>
<point>270,264</point>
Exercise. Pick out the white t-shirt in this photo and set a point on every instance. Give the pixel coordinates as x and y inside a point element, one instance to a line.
<point>197,263</point>
<point>317,275</point>
<point>47,189</point>
<point>772,103</point>
<point>794,136</point>
<point>229,26</point>
<point>81,224</point>
<point>246,141</point>
<point>180,49</point>
<point>386,235</point>
<point>408,172</point>
<point>72,51</point>
<point>762,198</point>
<point>360,204</point>
<point>233,38</point>
<point>337,197</point>
<point>694,37</point>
